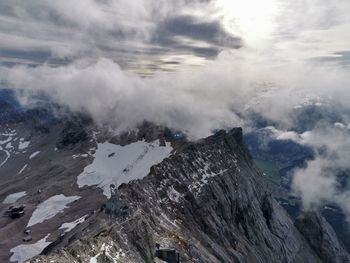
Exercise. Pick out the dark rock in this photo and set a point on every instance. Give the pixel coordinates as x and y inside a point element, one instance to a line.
<point>27,239</point>
<point>209,202</point>
<point>321,237</point>
<point>74,132</point>
<point>221,208</point>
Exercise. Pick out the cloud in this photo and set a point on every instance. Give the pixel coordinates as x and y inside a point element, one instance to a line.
<point>121,99</point>
<point>131,32</point>
<point>195,100</point>
<point>324,179</point>
<point>123,31</point>
<point>202,37</point>
<point>314,184</point>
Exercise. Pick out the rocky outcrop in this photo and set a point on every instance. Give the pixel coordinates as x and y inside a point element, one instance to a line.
<point>74,131</point>
<point>321,237</point>
<point>208,200</point>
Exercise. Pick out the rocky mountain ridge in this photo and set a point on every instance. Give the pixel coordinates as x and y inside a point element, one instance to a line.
<point>204,198</point>
<point>209,202</point>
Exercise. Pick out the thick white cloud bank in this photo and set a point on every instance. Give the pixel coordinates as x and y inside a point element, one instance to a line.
<point>196,101</point>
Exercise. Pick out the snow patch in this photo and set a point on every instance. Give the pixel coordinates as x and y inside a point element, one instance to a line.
<point>23,144</point>
<point>9,136</point>
<point>6,145</point>
<point>120,164</point>
<point>22,253</point>
<point>51,207</point>
<point>174,195</point>
<point>9,146</point>
<point>208,175</point>
<point>204,173</point>
<point>6,158</point>
<point>34,154</point>
<point>69,226</point>
<point>106,250</point>
<point>12,198</point>
<point>23,168</point>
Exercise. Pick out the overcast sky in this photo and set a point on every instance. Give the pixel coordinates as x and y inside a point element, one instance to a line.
<point>148,35</point>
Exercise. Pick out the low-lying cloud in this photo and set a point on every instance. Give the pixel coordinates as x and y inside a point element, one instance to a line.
<point>197,101</point>
<point>323,179</point>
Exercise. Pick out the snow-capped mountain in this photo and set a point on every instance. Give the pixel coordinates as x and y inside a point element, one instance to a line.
<point>206,199</point>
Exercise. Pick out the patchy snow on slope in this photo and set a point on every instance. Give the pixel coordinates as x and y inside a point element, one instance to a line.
<point>203,174</point>
<point>23,144</point>
<point>157,260</point>
<point>174,195</point>
<point>69,226</point>
<point>106,251</point>
<point>34,154</point>
<point>9,146</point>
<point>51,207</point>
<point>7,156</point>
<point>22,170</point>
<point>74,156</point>
<point>115,164</point>
<point>22,253</point>
<point>6,145</point>
<point>12,198</point>
<point>8,137</point>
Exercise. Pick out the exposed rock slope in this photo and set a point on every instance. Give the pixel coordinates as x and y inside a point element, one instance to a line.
<point>207,200</point>
<point>321,237</point>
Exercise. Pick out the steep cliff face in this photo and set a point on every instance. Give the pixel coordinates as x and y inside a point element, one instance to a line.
<point>207,200</point>
<point>321,237</point>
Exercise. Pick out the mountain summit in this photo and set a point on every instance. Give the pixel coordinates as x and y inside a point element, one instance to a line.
<point>75,192</point>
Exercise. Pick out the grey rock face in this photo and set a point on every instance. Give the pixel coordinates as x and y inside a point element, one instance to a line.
<point>208,201</point>
<point>321,237</point>
<point>215,194</point>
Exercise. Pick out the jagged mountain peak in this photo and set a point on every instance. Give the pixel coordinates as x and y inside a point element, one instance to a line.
<point>207,200</point>
<point>321,237</point>
<point>204,198</point>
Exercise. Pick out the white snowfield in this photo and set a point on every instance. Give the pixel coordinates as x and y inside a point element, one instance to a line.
<point>115,164</point>
<point>22,253</point>
<point>12,198</point>
<point>51,207</point>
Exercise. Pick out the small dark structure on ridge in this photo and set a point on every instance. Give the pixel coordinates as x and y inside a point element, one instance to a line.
<point>15,211</point>
<point>168,255</point>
